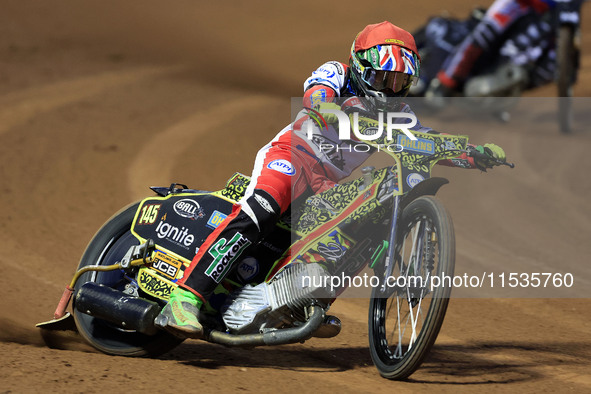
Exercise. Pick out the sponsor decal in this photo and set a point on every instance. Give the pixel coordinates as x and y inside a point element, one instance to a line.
<point>370,131</point>
<point>188,208</point>
<point>166,264</point>
<point>327,71</point>
<point>282,166</point>
<point>266,205</point>
<point>414,178</point>
<point>148,214</point>
<point>215,219</point>
<point>248,268</point>
<point>338,66</point>
<point>179,236</point>
<point>321,203</point>
<point>318,97</point>
<point>419,145</point>
<point>450,145</point>
<point>224,253</point>
<point>394,41</point>
<point>331,248</point>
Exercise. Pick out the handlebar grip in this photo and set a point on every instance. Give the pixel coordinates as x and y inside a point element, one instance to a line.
<point>483,156</point>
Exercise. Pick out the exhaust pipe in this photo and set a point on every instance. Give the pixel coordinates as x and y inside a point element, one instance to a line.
<point>272,338</point>
<point>114,306</point>
<point>133,313</point>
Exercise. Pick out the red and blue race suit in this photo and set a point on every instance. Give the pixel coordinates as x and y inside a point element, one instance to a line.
<point>290,165</point>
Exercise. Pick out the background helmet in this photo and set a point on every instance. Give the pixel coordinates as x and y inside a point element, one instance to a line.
<point>384,62</point>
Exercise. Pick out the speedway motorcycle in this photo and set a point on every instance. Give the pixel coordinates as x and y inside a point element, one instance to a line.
<point>387,222</point>
<point>511,69</point>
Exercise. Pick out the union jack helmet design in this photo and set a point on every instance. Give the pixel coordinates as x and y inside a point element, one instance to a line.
<point>384,61</point>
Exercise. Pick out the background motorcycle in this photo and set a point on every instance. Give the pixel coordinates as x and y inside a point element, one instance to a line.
<point>513,67</point>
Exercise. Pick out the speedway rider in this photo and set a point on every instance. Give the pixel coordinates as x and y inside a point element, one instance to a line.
<point>383,63</point>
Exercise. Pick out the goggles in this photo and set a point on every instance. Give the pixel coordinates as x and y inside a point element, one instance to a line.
<point>381,79</point>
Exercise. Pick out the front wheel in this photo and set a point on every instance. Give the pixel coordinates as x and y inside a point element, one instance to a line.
<point>405,315</point>
<point>107,247</point>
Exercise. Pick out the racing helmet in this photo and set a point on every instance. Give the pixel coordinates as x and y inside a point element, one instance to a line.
<point>384,62</point>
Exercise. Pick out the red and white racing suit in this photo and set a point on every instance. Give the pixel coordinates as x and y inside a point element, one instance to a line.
<point>287,167</point>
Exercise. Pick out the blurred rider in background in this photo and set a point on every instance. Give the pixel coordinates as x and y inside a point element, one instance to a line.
<point>383,63</point>
<point>488,35</point>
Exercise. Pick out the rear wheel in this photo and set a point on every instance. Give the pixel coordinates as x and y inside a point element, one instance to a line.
<point>405,319</point>
<point>107,247</point>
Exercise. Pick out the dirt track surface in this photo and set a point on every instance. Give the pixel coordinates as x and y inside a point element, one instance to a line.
<point>100,100</point>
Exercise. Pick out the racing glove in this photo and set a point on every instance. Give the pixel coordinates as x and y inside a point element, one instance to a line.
<point>488,156</point>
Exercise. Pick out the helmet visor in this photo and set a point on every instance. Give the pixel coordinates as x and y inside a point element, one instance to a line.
<point>380,79</point>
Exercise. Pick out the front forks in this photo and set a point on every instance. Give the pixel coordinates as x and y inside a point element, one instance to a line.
<point>391,254</point>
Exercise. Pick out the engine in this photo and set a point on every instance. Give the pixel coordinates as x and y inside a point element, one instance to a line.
<point>281,302</point>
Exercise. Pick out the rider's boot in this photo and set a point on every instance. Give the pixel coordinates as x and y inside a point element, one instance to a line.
<point>181,315</point>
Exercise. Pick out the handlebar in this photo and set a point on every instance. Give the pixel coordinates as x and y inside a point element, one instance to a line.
<point>472,153</point>
<point>483,156</point>
<point>437,156</point>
